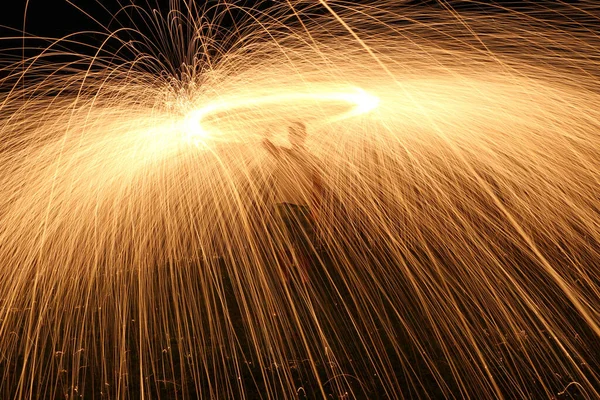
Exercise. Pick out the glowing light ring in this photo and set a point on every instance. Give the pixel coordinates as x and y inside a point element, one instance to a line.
<point>359,100</point>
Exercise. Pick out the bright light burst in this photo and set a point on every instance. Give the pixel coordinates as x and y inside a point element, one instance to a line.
<point>459,256</point>
<point>240,113</point>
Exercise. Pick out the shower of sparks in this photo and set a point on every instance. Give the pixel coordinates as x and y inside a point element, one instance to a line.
<point>459,241</point>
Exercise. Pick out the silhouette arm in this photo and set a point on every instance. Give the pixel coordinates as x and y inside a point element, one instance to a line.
<point>271,148</point>
<point>318,192</point>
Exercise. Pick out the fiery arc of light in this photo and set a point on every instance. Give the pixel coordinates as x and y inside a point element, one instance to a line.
<point>359,100</point>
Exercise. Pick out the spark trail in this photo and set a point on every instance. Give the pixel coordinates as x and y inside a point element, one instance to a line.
<point>459,238</point>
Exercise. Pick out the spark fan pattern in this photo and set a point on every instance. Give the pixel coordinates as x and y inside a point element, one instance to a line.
<point>458,250</point>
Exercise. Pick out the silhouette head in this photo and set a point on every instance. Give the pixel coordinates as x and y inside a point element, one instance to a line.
<point>297,134</point>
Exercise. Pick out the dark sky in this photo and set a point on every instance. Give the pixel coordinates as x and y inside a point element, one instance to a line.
<point>57,18</point>
<point>54,18</point>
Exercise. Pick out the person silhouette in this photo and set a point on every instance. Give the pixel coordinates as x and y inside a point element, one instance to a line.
<point>298,187</point>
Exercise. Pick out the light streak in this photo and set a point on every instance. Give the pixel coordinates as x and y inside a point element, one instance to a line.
<point>353,101</point>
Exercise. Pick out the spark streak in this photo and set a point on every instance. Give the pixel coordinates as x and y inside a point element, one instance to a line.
<point>352,102</point>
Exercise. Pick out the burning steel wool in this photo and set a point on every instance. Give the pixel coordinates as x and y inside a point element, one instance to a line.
<point>457,243</point>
